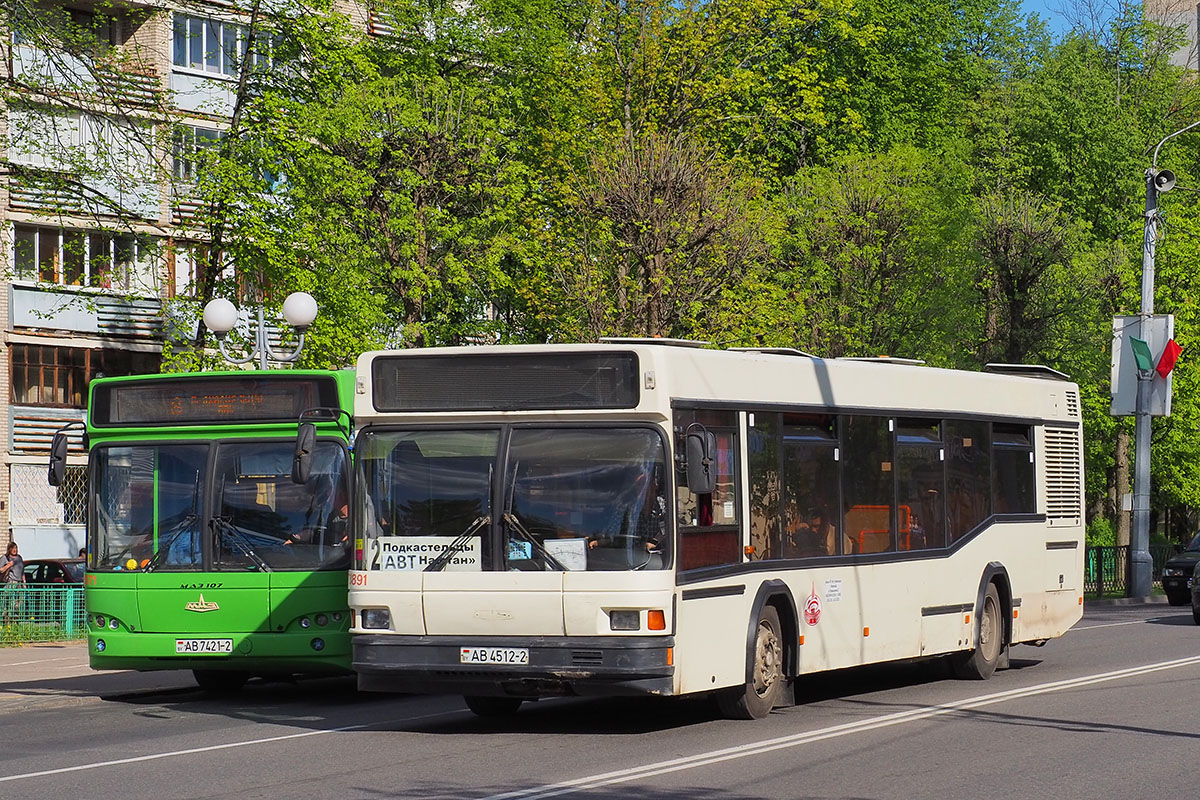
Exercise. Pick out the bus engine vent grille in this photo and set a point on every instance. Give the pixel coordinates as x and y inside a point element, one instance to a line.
<point>587,658</point>
<point>1063,473</point>
<point>1072,404</point>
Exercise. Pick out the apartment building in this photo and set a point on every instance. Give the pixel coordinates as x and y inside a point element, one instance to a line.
<point>104,111</point>
<point>1178,14</point>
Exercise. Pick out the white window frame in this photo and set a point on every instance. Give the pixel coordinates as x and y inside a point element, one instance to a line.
<point>214,47</point>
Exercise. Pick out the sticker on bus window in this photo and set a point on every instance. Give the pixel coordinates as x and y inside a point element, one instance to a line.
<point>415,553</point>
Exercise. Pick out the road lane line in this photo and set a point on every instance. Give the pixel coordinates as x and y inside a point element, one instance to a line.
<point>795,740</point>
<point>212,748</point>
<point>43,661</point>
<point>1111,625</point>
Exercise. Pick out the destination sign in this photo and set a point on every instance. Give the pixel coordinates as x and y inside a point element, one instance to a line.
<point>206,400</point>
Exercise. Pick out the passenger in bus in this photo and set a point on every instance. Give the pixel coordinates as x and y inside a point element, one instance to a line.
<point>801,539</point>
<point>826,531</point>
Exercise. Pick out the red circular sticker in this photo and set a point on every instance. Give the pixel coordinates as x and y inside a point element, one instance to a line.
<point>812,608</point>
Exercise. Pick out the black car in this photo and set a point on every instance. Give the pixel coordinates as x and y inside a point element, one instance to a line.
<point>1177,573</point>
<point>54,571</point>
<point>1194,583</point>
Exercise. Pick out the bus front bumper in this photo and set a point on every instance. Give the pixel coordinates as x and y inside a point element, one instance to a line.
<point>580,666</point>
<point>261,653</point>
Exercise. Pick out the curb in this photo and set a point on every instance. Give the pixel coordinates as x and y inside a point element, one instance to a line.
<point>1152,600</point>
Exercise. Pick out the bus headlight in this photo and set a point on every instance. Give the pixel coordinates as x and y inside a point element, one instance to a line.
<point>376,618</point>
<point>100,645</point>
<point>322,620</point>
<point>625,620</point>
<point>318,644</point>
<point>113,624</point>
<point>305,622</point>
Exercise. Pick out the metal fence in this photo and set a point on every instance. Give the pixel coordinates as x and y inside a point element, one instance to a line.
<point>1106,569</point>
<point>41,614</point>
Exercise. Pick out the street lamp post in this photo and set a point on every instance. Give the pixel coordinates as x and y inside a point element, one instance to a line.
<point>1141,564</point>
<point>299,309</point>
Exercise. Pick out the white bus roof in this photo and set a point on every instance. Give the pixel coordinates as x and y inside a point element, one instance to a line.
<point>671,374</point>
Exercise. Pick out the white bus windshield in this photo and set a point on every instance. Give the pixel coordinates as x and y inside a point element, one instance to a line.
<point>567,499</point>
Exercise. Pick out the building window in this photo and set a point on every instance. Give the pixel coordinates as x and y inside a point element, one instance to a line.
<point>217,47</point>
<point>189,144</point>
<point>79,258</point>
<point>59,376</point>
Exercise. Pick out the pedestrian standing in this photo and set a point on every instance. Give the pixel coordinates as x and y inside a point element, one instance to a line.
<point>12,577</point>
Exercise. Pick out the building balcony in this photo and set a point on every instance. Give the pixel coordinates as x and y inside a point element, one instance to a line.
<point>83,311</point>
<point>110,81</point>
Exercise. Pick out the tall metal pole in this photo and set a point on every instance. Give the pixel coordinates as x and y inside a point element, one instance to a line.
<point>260,337</point>
<point>1141,565</point>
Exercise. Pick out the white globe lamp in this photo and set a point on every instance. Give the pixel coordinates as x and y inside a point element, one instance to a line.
<point>220,316</point>
<point>300,309</point>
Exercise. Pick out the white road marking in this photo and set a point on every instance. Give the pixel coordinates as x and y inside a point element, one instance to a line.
<point>795,740</point>
<point>212,748</point>
<point>44,660</point>
<point>1118,624</point>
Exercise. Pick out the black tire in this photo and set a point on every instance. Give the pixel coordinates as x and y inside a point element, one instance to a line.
<point>220,681</point>
<point>1178,599</point>
<point>492,706</point>
<point>1195,614</point>
<point>763,687</point>
<point>980,663</point>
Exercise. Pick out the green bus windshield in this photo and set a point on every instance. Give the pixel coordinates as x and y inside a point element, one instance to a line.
<point>160,507</point>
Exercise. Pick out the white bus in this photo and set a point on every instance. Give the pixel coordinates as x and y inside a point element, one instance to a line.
<point>653,517</point>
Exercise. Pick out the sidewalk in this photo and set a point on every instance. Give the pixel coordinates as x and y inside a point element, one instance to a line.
<point>56,674</point>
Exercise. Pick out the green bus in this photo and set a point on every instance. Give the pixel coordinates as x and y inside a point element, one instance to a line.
<point>203,552</point>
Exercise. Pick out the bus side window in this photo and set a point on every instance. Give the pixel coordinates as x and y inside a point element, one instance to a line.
<point>709,530</point>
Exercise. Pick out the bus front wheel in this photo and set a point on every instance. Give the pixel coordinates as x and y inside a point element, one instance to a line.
<point>980,663</point>
<point>493,706</point>
<point>220,681</point>
<point>762,689</point>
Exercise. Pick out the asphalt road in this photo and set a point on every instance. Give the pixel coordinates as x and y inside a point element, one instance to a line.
<point>1111,710</point>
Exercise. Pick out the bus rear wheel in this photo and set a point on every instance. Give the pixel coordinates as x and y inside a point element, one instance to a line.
<point>980,663</point>
<point>762,689</point>
<point>220,681</point>
<point>492,706</point>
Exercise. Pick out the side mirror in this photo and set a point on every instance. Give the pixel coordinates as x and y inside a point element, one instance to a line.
<point>306,442</point>
<point>58,459</point>
<point>699,446</point>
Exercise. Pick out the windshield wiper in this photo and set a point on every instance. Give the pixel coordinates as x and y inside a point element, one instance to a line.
<point>516,525</point>
<point>439,563</point>
<point>239,541</point>
<point>167,541</point>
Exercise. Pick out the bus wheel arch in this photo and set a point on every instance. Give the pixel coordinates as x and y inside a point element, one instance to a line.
<point>992,628</point>
<point>771,656</point>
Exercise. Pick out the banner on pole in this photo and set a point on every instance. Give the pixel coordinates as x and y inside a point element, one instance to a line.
<point>1137,348</point>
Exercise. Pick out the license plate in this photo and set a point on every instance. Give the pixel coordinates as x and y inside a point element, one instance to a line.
<point>203,646</point>
<point>493,655</point>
